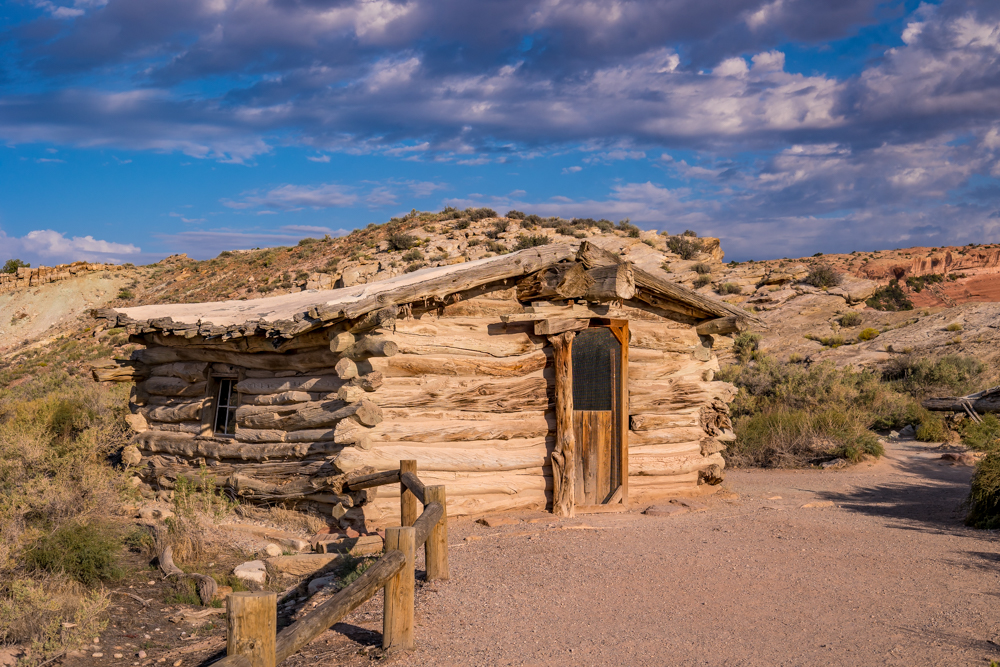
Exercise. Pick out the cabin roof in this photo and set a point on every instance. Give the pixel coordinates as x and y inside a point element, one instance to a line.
<point>290,314</point>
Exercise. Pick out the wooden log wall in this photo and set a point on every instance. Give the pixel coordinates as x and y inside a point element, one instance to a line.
<point>468,397</point>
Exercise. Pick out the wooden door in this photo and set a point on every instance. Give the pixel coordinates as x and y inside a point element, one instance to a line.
<point>599,365</point>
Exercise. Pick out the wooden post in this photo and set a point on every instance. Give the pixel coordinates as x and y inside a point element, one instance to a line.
<point>563,470</point>
<point>252,625</point>
<point>436,547</point>
<point>407,501</point>
<point>397,615</point>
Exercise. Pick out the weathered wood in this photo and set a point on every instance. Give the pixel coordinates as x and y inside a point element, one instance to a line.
<point>610,283</point>
<point>373,480</point>
<point>273,435</point>
<point>299,361</point>
<point>499,395</point>
<point>397,614</point>
<point>368,381</point>
<point>989,403</point>
<point>178,413</point>
<point>383,318</point>
<point>554,326</point>
<point>425,523</point>
<point>284,398</point>
<point>346,369</point>
<point>562,281</point>
<point>341,341</point>
<point>193,448</point>
<point>252,624</point>
<point>436,546</point>
<point>676,395</point>
<point>169,386</point>
<point>413,485</point>
<point>307,415</point>
<point>371,346</point>
<point>666,436</point>
<point>293,638</point>
<point>206,585</point>
<point>191,427</point>
<point>465,336</point>
<point>564,453</point>
<point>407,499</point>
<point>457,459</point>
<point>119,370</point>
<point>654,464</point>
<point>654,421</point>
<point>500,428</point>
<point>320,384</point>
<point>189,371</point>
<point>408,365</point>
<point>722,325</point>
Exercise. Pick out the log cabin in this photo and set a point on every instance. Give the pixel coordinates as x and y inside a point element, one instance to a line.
<point>559,377</point>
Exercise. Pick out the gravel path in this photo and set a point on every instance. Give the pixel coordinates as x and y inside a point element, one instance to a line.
<point>888,575</point>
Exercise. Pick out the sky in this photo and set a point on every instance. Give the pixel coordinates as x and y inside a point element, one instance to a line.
<point>133,129</point>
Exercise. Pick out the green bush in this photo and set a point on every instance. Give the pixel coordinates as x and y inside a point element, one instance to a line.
<point>822,276</point>
<point>954,374</point>
<point>984,436</point>
<point>684,246</point>
<point>917,283</point>
<point>125,294</point>
<point>476,214</point>
<point>702,280</point>
<point>932,429</point>
<point>533,241</point>
<point>745,345</point>
<point>496,229</point>
<point>87,553</point>
<point>400,241</point>
<point>729,288</point>
<point>889,298</point>
<point>850,319</point>
<point>984,496</point>
<point>869,333</point>
<point>691,233</point>
<point>412,255</point>
<point>414,266</point>
<point>515,215</point>
<point>12,265</point>
<point>954,326</point>
<point>701,268</point>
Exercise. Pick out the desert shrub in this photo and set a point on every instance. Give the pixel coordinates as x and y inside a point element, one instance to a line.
<point>932,429</point>
<point>983,436</point>
<point>984,495</point>
<point>477,214</point>
<point>497,247</point>
<point>684,246</point>
<point>729,288</point>
<point>822,276</point>
<point>32,611</point>
<point>413,255</point>
<point>868,333</point>
<point>414,266</point>
<point>12,265</point>
<point>462,224</point>
<point>401,241</point>
<point>87,553</point>
<point>701,268</point>
<point>604,225</point>
<point>890,298</point>
<point>850,319</point>
<point>702,280</point>
<point>125,294</point>
<point>691,233</point>
<point>627,227</point>
<point>533,241</point>
<point>498,228</point>
<point>533,219</point>
<point>515,215</point>
<point>954,374</point>
<point>565,230</point>
<point>307,242</point>
<point>917,283</point>
<point>746,344</point>
<point>330,266</point>
<point>954,326</point>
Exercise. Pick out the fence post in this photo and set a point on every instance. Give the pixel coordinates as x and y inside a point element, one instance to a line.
<point>407,501</point>
<point>252,625</point>
<point>397,615</point>
<point>436,547</point>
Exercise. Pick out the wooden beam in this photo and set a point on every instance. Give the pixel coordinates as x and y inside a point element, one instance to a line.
<point>555,326</point>
<point>397,614</point>
<point>436,546</point>
<point>723,325</point>
<point>562,457</point>
<point>407,499</point>
<point>252,623</point>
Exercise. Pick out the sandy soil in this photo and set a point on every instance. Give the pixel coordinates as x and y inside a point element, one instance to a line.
<point>888,575</point>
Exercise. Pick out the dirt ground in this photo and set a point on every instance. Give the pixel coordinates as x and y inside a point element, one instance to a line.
<point>882,572</point>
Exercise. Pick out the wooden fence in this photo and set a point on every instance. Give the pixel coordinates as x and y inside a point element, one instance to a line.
<point>252,638</point>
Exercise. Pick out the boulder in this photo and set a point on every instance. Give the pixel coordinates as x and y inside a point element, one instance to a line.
<point>301,564</point>
<point>273,550</point>
<point>666,510</point>
<point>365,545</point>
<point>254,571</point>
<point>154,513</point>
<point>131,456</point>
<point>319,583</point>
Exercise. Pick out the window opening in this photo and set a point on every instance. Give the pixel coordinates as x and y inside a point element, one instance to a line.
<point>225,407</point>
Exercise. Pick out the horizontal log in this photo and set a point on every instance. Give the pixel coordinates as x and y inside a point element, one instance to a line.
<point>723,325</point>
<point>245,344</point>
<point>193,448</point>
<point>500,395</point>
<point>385,510</point>
<point>673,366</point>
<point>414,485</point>
<point>307,415</point>
<point>551,327</point>
<point>319,384</point>
<point>283,398</point>
<point>462,483</point>
<point>408,365</point>
<point>298,361</point>
<point>341,341</point>
<point>373,480</point>
<point>444,459</point>
<point>180,427</point>
<point>610,283</point>
<point>445,431</point>
<point>655,421</point>
<point>643,464</point>
<point>445,414</point>
<point>190,411</point>
<point>370,346</point>
<point>655,336</point>
<point>957,404</point>
<point>346,369</point>
<point>189,371</point>
<point>427,520</point>
<point>643,488</point>
<point>665,436</point>
<point>676,395</point>
<point>119,370</point>
<point>465,337</point>
<point>253,435</point>
<point>169,386</point>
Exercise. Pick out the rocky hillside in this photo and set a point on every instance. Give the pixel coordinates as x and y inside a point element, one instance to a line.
<point>946,297</point>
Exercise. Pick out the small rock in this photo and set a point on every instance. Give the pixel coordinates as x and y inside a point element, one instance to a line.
<point>494,521</point>
<point>119,655</point>
<point>140,654</point>
<point>473,538</point>
<point>907,431</point>
<point>351,533</point>
<point>774,498</point>
<point>177,663</point>
<point>834,464</point>
<point>9,656</point>
<point>665,510</point>
<point>818,504</point>
<point>318,584</point>
<point>134,482</point>
<point>692,505</point>
<point>97,655</point>
<point>152,513</point>
<point>131,456</point>
<point>273,550</point>
<point>254,571</point>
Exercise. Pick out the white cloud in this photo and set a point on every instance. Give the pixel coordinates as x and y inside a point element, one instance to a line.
<point>320,158</point>
<point>184,219</point>
<point>292,197</point>
<point>52,247</point>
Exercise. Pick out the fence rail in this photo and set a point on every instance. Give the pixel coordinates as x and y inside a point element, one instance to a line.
<point>252,640</point>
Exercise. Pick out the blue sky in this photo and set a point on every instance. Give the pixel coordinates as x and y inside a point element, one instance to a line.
<point>132,129</point>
